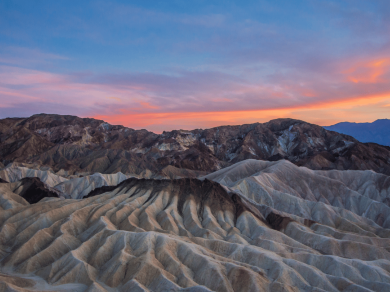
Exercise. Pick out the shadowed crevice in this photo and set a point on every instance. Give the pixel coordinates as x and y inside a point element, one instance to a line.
<point>33,190</point>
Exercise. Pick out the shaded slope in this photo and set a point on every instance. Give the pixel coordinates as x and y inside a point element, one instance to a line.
<point>32,190</point>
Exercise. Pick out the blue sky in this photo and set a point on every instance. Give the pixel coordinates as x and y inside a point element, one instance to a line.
<point>186,64</point>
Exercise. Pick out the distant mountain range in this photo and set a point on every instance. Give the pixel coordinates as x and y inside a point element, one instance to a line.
<point>377,132</point>
<point>70,145</point>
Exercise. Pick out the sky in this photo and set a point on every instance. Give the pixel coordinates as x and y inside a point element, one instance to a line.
<point>163,65</point>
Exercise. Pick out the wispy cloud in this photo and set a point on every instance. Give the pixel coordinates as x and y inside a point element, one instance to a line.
<point>114,98</point>
<point>22,56</point>
<point>184,97</point>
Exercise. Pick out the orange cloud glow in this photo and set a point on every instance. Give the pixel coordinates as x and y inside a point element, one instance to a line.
<point>322,101</point>
<point>148,105</point>
<point>368,72</point>
<point>360,109</point>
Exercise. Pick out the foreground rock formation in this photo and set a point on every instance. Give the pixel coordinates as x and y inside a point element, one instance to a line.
<point>33,190</point>
<point>47,182</point>
<point>254,226</point>
<point>69,145</point>
<point>13,174</point>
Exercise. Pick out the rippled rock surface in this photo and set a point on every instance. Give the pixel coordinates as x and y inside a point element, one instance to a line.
<point>254,226</point>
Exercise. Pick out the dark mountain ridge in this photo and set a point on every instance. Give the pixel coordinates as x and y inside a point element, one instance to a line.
<point>82,145</point>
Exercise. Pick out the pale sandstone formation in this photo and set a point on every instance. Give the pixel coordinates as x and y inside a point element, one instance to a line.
<point>259,226</point>
<point>77,188</point>
<point>10,200</point>
<point>312,194</point>
<point>15,173</point>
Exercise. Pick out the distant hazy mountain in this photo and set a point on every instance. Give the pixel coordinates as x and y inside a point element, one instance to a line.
<point>377,132</point>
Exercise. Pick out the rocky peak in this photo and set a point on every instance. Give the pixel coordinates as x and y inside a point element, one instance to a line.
<point>88,145</point>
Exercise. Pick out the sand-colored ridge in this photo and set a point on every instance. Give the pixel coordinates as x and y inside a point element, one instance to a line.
<point>15,173</point>
<point>255,226</point>
<point>77,188</point>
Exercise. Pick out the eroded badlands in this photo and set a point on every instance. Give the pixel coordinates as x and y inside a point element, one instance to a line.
<point>254,226</point>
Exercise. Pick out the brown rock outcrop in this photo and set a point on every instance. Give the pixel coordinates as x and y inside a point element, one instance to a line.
<point>74,145</point>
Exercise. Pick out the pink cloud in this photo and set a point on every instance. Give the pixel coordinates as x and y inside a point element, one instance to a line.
<point>199,98</point>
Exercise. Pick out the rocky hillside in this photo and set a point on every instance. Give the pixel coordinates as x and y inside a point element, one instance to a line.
<point>69,145</point>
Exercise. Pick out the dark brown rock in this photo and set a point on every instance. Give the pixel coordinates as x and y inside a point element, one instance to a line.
<point>88,145</point>
<point>33,190</point>
<point>277,221</point>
